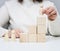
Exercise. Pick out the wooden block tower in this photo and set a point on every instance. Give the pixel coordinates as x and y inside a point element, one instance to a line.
<point>41,26</point>
<point>30,36</point>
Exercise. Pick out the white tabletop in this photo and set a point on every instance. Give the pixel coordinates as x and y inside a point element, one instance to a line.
<point>52,44</point>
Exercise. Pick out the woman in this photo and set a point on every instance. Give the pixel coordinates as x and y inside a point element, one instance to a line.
<point>17,13</point>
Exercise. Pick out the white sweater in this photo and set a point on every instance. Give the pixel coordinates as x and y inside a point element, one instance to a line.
<point>21,15</point>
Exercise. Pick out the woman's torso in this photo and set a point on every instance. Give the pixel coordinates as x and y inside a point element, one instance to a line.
<point>23,15</point>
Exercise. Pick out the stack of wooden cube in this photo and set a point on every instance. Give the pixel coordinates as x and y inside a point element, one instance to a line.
<point>37,33</point>
<point>41,28</point>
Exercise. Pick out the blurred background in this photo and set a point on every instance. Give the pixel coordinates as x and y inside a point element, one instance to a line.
<point>55,1</point>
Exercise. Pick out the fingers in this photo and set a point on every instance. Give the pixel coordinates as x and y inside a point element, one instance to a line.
<point>52,17</point>
<point>3,35</point>
<point>9,35</point>
<point>51,12</point>
<point>17,34</point>
<point>48,10</point>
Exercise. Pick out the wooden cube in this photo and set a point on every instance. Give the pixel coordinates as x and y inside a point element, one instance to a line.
<point>23,37</point>
<point>6,38</point>
<point>32,38</point>
<point>32,29</point>
<point>41,20</point>
<point>13,38</point>
<point>41,38</point>
<point>42,29</point>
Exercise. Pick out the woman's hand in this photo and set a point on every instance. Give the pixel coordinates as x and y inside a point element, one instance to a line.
<point>51,12</point>
<point>16,31</point>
